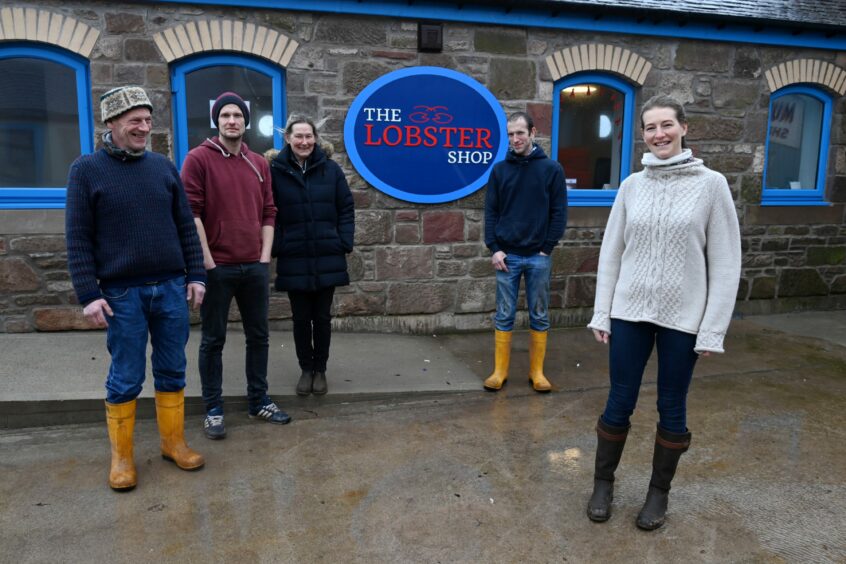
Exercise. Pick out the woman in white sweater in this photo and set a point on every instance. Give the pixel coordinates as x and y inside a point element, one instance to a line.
<point>667,279</point>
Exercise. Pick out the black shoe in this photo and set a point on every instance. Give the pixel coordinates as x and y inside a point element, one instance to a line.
<point>269,412</point>
<point>319,387</point>
<point>305,382</point>
<point>654,509</point>
<point>213,424</point>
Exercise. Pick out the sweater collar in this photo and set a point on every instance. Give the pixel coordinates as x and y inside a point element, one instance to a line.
<point>117,152</point>
<point>651,160</point>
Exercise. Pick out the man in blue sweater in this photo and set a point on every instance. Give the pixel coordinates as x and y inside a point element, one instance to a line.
<point>136,262</point>
<point>525,216</point>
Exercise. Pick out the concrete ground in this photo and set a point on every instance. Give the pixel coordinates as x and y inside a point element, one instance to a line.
<point>449,474</point>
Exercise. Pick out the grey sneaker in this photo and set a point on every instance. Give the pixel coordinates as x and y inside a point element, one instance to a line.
<point>269,412</point>
<point>213,424</point>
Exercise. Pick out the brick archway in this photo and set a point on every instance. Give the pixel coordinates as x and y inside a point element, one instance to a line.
<point>225,35</point>
<point>31,24</point>
<point>812,71</point>
<point>598,57</point>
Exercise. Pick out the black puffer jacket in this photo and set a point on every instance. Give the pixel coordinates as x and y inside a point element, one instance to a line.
<point>315,222</point>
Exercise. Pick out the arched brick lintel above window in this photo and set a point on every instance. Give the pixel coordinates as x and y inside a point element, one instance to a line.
<point>813,71</point>
<point>31,24</point>
<point>599,57</point>
<point>204,36</point>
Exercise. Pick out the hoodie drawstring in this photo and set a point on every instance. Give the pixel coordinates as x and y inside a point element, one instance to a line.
<point>227,154</point>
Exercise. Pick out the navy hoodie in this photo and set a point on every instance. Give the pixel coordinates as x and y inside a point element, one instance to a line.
<point>526,204</point>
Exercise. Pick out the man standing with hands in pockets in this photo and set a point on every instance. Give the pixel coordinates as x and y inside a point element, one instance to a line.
<point>230,193</point>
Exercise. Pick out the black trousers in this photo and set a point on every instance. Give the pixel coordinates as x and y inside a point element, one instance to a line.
<point>249,285</point>
<point>312,313</point>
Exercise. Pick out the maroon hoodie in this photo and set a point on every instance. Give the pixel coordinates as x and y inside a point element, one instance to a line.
<point>232,196</point>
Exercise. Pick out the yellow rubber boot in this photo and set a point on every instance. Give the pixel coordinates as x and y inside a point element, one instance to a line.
<point>170,413</point>
<point>502,356</point>
<point>537,352</point>
<point>120,418</point>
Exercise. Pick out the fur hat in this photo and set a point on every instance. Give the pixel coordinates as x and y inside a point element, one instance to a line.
<point>229,98</point>
<point>122,99</point>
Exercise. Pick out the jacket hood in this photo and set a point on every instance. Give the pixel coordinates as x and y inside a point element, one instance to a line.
<point>212,144</point>
<point>537,153</point>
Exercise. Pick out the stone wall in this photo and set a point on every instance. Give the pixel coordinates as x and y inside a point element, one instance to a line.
<point>424,268</point>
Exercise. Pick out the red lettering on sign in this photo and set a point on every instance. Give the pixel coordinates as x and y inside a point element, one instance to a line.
<point>483,136</point>
<point>369,140</point>
<point>431,140</point>
<point>399,135</point>
<point>412,136</point>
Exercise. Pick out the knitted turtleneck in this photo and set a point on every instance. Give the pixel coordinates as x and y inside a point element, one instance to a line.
<point>671,252</point>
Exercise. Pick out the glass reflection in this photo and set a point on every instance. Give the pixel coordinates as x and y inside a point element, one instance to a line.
<point>39,123</point>
<point>794,142</point>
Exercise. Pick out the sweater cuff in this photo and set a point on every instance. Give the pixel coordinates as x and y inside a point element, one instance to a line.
<point>709,341</point>
<point>199,278</point>
<point>600,322</point>
<point>494,248</point>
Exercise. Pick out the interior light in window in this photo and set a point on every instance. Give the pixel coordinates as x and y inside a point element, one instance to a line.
<point>265,126</point>
<point>604,126</point>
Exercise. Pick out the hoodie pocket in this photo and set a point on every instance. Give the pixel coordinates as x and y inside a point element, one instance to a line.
<point>237,240</point>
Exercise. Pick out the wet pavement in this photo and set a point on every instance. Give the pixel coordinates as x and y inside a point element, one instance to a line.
<point>463,476</point>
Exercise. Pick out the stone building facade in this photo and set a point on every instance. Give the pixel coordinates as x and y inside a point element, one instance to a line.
<point>424,268</point>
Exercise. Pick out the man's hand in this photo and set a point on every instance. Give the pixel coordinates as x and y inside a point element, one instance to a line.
<point>96,312</point>
<point>600,336</point>
<point>498,261</point>
<point>196,292</point>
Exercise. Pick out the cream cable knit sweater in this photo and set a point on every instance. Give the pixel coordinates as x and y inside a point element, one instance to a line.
<point>671,253</point>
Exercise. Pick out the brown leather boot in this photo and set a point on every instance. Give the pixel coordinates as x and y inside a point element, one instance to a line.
<point>502,357</point>
<point>120,418</point>
<point>170,413</point>
<point>665,460</point>
<point>610,442</point>
<point>537,352</point>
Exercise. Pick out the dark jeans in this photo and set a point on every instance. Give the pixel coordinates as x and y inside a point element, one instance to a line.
<point>312,327</point>
<point>630,348</point>
<point>160,310</point>
<point>249,285</point>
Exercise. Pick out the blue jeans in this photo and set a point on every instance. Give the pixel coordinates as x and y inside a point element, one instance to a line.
<point>536,270</point>
<point>249,284</point>
<point>160,310</point>
<point>630,348</point>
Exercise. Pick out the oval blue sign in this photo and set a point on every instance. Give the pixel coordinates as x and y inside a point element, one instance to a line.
<point>426,134</point>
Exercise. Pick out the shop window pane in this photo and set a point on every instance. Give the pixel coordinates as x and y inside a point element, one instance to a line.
<point>796,122</point>
<point>590,133</point>
<point>202,86</point>
<point>39,123</point>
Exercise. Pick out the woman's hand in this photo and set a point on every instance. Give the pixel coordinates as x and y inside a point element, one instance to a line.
<point>601,336</point>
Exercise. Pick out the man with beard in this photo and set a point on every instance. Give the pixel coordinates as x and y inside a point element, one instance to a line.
<point>228,187</point>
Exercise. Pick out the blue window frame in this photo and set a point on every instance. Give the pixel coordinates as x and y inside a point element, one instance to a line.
<point>798,132</point>
<point>197,81</point>
<point>53,106</point>
<point>592,135</point>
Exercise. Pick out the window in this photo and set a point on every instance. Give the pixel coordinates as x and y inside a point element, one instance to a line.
<point>197,82</point>
<point>797,145</point>
<point>591,136</point>
<point>45,123</point>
